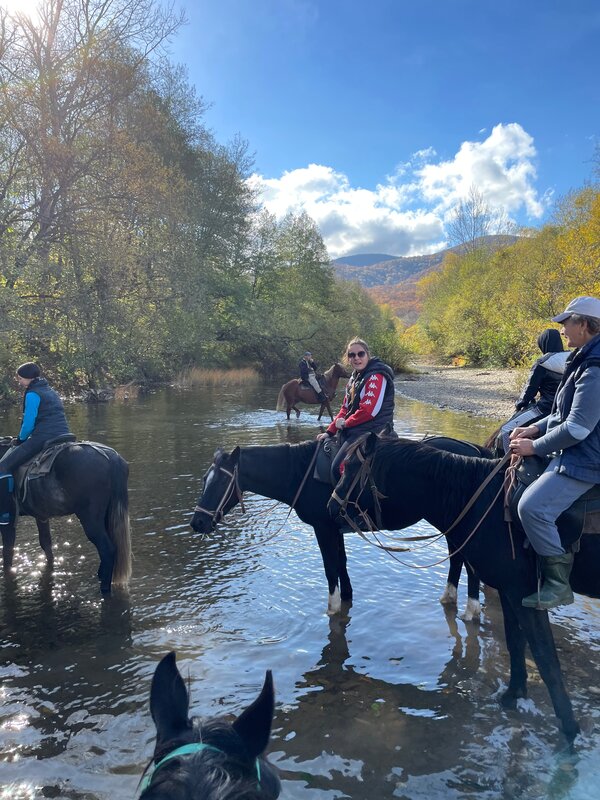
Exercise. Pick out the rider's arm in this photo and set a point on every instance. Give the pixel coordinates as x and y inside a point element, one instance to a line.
<point>32,404</point>
<point>531,388</point>
<point>583,416</point>
<point>370,401</point>
<point>332,429</point>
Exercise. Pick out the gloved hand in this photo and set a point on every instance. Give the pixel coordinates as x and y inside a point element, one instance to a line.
<point>340,423</point>
<point>15,442</point>
<point>520,406</point>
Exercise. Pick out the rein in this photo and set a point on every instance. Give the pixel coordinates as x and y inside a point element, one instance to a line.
<point>364,473</point>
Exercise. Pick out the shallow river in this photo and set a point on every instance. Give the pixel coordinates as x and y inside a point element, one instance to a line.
<point>395,699</point>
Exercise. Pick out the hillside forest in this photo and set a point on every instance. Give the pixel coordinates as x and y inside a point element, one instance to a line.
<point>132,245</point>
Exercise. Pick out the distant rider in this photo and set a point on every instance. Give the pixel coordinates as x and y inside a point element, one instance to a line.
<point>308,374</point>
<point>544,379</point>
<point>43,419</point>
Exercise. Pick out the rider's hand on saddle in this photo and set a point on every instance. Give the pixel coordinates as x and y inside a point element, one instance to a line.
<point>340,423</point>
<point>322,436</point>
<point>530,432</point>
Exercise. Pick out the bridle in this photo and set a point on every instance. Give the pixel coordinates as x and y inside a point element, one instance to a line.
<point>184,750</point>
<point>233,487</point>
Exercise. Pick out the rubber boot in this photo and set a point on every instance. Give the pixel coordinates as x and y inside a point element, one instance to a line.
<point>556,590</point>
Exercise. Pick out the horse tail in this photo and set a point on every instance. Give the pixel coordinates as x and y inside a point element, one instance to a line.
<point>117,518</point>
<point>281,402</point>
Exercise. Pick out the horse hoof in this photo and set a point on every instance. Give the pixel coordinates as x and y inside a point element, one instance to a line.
<point>509,699</point>
<point>570,729</point>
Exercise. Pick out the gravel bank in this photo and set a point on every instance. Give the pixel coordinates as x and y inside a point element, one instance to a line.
<point>477,391</point>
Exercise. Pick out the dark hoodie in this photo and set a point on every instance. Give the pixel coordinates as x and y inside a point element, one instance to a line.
<point>546,373</point>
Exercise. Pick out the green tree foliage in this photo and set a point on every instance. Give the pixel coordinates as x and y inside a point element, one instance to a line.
<point>131,244</point>
<point>490,307</point>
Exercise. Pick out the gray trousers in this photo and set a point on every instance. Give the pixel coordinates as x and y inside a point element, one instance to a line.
<point>543,502</point>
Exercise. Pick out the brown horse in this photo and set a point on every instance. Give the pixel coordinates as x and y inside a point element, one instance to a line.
<point>294,392</point>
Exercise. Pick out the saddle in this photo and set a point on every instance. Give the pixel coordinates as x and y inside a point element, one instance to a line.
<point>582,517</point>
<point>325,456</point>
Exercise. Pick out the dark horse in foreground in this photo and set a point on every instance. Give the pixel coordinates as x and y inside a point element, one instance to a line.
<point>216,760</point>
<point>278,471</point>
<point>419,482</point>
<point>294,392</point>
<point>90,481</point>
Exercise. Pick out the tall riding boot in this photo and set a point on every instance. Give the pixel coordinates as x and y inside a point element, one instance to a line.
<point>322,397</point>
<point>556,590</point>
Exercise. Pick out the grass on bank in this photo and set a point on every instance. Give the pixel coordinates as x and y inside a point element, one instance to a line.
<point>195,376</point>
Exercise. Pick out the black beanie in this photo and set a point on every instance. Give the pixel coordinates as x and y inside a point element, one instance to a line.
<point>29,370</point>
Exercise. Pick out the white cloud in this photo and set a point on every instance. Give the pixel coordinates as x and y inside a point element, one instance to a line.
<point>405,214</point>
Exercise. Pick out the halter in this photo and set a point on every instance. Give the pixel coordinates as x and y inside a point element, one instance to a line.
<point>217,515</point>
<point>185,750</point>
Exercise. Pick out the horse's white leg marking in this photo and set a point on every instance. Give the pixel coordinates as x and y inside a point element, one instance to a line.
<point>450,596</point>
<point>473,609</point>
<point>334,605</point>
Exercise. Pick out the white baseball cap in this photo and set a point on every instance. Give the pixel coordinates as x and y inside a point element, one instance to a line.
<point>588,306</point>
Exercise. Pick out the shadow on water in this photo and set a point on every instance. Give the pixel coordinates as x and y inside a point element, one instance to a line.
<point>396,698</point>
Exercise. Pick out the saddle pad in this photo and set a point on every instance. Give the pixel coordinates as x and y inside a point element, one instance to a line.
<point>41,464</point>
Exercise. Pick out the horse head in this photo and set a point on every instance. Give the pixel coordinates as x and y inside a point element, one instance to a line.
<point>217,760</point>
<point>220,491</point>
<point>354,492</point>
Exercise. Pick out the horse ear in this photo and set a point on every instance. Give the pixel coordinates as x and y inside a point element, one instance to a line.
<point>253,725</point>
<point>371,442</point>
<point>169,700</point>
<point>235,454</point>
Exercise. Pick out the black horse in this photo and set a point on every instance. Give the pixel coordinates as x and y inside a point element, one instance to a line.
<point>217,760</point>
<point>420,482</point>
<point>90,481</point>
<point>278,472</point>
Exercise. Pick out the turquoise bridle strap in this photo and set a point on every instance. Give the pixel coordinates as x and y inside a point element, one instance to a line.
<point>185,750</point>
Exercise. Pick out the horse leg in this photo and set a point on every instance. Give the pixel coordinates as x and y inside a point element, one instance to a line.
<point>329,409</point>
<point>473,608</point>
<point>92,521</point>
<point>45,537</point>
<point>536,626</point>
<point>327,539</point>
<point>9,534</point>
<point>297,410</point>
<point>515,643</point>
<point>450,596</point>
<point>345,585</point>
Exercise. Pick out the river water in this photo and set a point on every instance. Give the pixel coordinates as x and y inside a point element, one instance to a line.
<point>395,699</point>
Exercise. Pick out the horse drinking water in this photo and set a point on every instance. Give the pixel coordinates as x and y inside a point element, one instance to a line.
<point>294,392</point>
<point>216,760</point>
<point>89,480</point>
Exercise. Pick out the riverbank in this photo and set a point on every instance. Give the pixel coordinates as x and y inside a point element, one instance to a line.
<point>472,390</point>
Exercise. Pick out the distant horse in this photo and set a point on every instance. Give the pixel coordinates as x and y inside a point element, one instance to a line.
<point>419,482</point>
<point>217,760</point>
<point>278,471</point>
<point>90,481</point>
<point>294,392</point>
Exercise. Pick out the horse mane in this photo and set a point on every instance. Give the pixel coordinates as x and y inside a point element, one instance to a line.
<point>210,775</point>
<point>472,470</point>
<point>294,458</point>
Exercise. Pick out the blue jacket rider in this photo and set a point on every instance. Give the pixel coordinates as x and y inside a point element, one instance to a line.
<point>43,419</point>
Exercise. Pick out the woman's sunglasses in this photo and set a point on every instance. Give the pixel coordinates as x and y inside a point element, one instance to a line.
<point>360,354</point>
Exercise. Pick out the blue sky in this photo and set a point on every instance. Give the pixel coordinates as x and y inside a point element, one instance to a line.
<point>377,117</point>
